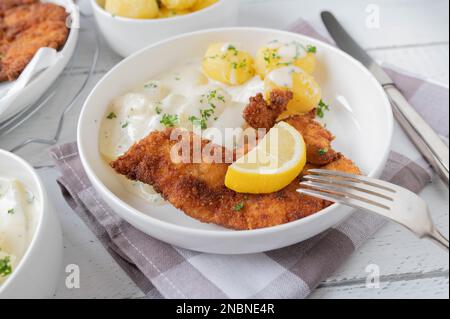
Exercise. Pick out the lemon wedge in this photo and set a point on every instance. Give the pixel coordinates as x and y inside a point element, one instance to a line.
<point>137,9</point>
<point>272,165</point>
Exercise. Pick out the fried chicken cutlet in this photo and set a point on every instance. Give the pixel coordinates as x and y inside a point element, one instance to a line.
<point>25,27</point>
<point>317,139</point>
<point>8,4</point>
<point>51,34</point>
<point>198,189</point>
<point>260,114</point>
<point>21,18</point>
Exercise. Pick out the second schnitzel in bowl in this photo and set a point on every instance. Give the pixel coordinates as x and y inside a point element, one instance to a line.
<point>26,28</point>
<point>225,99</point>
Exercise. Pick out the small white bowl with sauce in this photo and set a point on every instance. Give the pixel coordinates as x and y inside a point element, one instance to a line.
<point>127,35</point>
<point>37,269</point>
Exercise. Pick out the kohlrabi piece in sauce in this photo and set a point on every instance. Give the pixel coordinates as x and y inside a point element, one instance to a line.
<point>18,214</point>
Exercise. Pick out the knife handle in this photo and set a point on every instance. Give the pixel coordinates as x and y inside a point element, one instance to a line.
<point>435,151</point>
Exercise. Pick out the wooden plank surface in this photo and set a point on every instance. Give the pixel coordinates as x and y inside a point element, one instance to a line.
<point>413,35</point>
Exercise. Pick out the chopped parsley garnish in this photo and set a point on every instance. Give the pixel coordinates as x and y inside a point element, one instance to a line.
<point>203,120</point>
<point>211,94</point>
<point>206,114</point>
<point>311,49</point>
<point>240,65</point>
<point>212,57</point>
<point>211,98</point>
<point>239,206</point>
<point>151,85</point>
<point>5,266</point>
<point>323,151</point>
<point>273,55</point>
<point>11,211</point>
<point>111,116</point>
<point>269,56</point>
<point>125,125</point>
<point>233,48</point>
<point>158,110</point>
<point>169,120</point>
<point>198,122</point>
<point>321,108</point>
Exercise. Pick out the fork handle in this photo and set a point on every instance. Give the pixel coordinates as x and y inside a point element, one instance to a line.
<point>436,237</point>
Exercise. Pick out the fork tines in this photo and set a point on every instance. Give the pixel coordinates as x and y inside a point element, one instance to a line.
<point>352,190</point>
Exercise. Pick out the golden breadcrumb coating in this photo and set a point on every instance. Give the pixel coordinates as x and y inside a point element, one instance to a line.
<point>260,114</point>
<point>25,27</point>
<point>198,189</point>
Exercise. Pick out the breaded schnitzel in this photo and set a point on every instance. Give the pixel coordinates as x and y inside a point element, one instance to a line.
<point>8,4</point>
<point>25,27</point>
<point>51,34</point>
<point>317,138</point>
<point>260,114</point>
<point>198,188</point>
<point>21,18</point>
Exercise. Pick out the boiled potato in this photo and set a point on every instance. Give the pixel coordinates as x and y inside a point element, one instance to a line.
<point>307,93</point>
<point>137,9</point>
<point>202,4</point>
<point>178,4</point>
<point>223,62</point>
<point>169,13</point>
<point>278,54</point>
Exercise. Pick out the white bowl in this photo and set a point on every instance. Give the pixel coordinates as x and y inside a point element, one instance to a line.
<point>40,269</point>
<point>42,82</point>
<point>360,117</point>
<point>126,36</point>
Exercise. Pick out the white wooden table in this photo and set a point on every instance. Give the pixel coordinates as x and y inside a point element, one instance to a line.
<point>413,35</point>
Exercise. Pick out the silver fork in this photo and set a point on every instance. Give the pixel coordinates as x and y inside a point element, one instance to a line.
<point>376,196</point>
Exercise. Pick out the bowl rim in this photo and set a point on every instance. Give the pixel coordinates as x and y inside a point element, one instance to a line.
<point>96,6</point>
<point>43,207</point>
<point>145,218</point>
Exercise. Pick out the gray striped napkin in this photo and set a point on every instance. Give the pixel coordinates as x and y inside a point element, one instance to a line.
<point>164,271</point>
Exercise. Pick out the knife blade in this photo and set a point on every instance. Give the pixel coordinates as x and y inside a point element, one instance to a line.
<point>427,141</point>
<point>346,43</point>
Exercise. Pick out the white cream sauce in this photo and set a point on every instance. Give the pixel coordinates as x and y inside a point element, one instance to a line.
<point>183,91</point>
<point>229,45</point>
<point>288,52</point>
<point>18,219</point>
<point>283,77</point>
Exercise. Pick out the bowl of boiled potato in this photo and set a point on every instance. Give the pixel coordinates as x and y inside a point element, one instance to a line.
<point>130,25</point>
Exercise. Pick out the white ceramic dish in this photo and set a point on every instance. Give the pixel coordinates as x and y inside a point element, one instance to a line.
<point>42,82</point>
<point>39,270</point>
<point>360,117</point>
<point>126,36</point>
